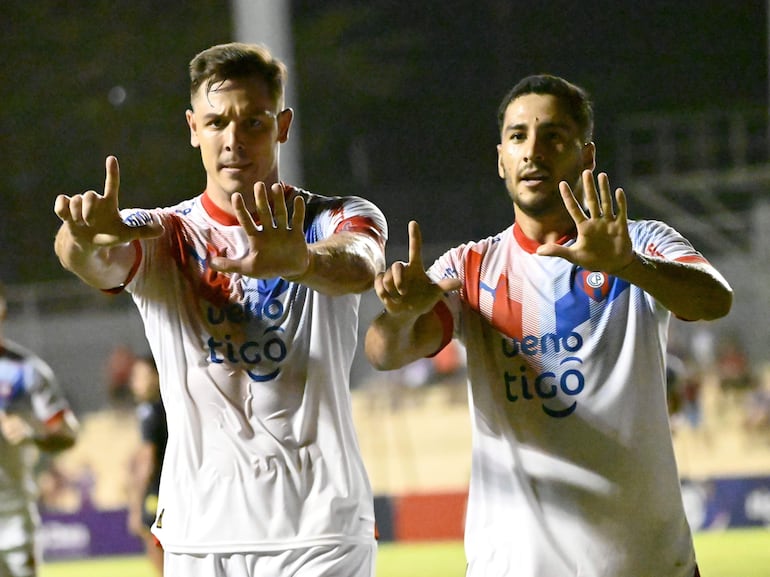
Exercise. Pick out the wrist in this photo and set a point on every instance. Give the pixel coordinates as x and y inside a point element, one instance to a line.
<point>634,259</point>
<point>638,260</point>
<point>308,266</point>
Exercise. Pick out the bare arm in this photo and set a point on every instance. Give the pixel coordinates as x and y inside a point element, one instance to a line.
<point>344,263</point>
<point>93,241</point>
<point>394,341</point>
<point>692,291</point>
<point>56,435</point>
<point>409,328</point>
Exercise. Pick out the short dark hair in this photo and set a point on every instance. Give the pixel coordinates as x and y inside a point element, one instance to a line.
<point>576,99</point>
<point>237,60</point>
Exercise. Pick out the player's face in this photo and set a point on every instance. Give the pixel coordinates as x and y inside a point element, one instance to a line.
<point>237,126</point>
<point>540,146</point>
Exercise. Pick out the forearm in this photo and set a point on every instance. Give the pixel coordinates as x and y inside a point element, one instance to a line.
<point>690,291</point>
<point>59,435</point>
<point>53,442</point>
<point>392,342</point>
<point>345,263</point>
<point>100,267</point>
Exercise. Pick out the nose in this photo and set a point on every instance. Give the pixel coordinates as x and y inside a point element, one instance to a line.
<point>233,138</point>
<point>534,151</point>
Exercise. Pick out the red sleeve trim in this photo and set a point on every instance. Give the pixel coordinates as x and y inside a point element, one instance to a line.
<point>447,325</point>
<point>53,421</point>
<point>692,259</point>
<point>131,273</point>
<point>363,225</point>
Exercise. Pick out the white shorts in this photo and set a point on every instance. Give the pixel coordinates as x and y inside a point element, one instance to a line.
<point>19,555</point>
<point>319,561</point>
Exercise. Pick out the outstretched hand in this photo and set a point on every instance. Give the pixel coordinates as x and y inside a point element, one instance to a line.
<point>405,289</point>
<point>603,242</point>
<point>14,429</point>
<point>277,246</point>
<point>94,218</point>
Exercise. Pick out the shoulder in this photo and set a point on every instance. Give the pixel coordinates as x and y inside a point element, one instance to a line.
<point>347,203</point>
<point>20,353</point>
<point>13,351</point>
<point>138,216</point>
<point>483,246</point>
<point>467,260</point>
<point>344,213</point>
<point>641,228</point>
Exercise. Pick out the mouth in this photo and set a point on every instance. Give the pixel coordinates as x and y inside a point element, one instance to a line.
<point>234,166</point>
<point>534,178</point>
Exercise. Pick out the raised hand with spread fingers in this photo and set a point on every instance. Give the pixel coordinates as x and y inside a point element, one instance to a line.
<point>277,245</point>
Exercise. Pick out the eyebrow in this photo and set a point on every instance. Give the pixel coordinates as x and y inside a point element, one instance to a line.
<point>270,113</point>
<point>544,125</point>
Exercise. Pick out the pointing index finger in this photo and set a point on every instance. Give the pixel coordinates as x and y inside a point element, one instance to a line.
<point>415,244</point>
<point>112,179</point>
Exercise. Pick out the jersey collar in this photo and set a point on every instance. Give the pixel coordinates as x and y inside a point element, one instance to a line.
<point>228,219</point>
<point>529,245</point>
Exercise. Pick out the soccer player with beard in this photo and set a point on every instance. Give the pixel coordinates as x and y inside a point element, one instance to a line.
<point>564,318</point>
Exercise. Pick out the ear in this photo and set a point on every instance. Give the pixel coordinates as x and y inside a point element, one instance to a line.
<point>285,117</point>
<point>194,140</point>
<point>589,156</point>
<point>500,167</point>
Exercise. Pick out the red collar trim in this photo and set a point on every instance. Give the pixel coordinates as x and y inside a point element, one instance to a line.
<point>530,245</point>
<point>217,213</point>
<point>226,218</point>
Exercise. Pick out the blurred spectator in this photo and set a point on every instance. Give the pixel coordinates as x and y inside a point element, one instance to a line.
<point>703,347</point>
<point>757,409</point>
<point>34,416</point>
<point>117,375</point>
<point>145,482</point>
<point>57,491</point>
<point>683,387</point>
<point>733,368</point>
<point>675,375</point>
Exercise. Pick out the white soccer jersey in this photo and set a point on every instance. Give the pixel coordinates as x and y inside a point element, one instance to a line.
<point>29,389</point>
<point>261,453</point>
<point>573,469</point>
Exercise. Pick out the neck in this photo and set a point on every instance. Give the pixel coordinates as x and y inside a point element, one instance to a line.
<point>544,229</point>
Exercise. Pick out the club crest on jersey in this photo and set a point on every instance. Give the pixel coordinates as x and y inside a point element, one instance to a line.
<point>595,284</point>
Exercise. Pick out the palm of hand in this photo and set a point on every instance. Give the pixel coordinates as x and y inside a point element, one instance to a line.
<point>603,242</point>
<point>277,246</point>
<point>405,289</point>
<point>276,251</point>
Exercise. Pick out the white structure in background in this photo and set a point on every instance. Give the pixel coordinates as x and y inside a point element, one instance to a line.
<point>268,22</point>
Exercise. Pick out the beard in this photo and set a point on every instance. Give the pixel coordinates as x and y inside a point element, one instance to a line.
<point>541,202</point>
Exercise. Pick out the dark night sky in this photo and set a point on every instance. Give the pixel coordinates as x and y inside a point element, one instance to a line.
<point>413,86</point>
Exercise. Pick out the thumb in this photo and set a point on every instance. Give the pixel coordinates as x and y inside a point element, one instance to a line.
<point>449,284</point>
<point>152,229</point>
<point>128,234</point>
<point>143,224</point>
<point>553,249</point>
